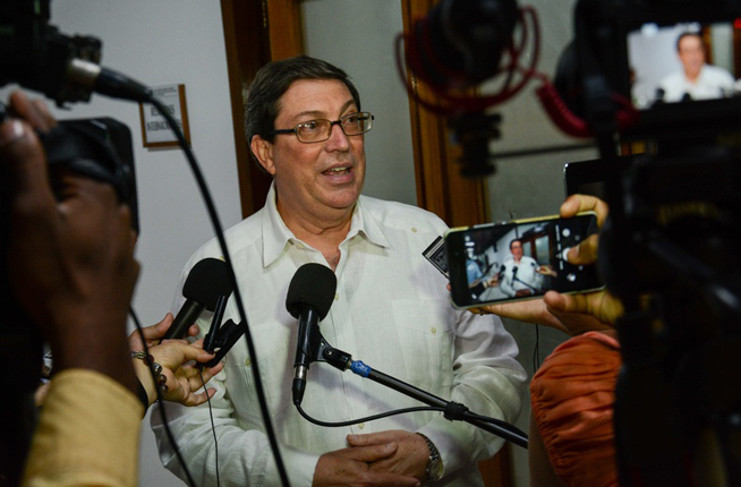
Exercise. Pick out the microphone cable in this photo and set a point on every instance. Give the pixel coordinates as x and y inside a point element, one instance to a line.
<point>213,428</point>
<point>519,436</point>
<point>160,399</point>
<point>216,222</point>
<point>117,85</point>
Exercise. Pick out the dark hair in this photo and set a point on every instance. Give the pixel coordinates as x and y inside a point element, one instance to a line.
<point>273,80</point>
<point>513,241</point>
<point>688,34</point>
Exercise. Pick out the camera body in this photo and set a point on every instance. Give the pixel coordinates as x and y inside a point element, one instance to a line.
<point>37,56</point>
<point>669,249</point>
<point>609,60</point>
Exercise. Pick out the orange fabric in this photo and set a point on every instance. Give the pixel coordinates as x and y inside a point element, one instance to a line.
<point>572,398</point>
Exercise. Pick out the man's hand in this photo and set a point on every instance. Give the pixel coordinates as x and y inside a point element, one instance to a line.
<point>410,457</point>
<point>353,466</point>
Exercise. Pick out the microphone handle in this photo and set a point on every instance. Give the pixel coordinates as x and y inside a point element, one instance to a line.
<point>209,341</point>
<point>307,323</point>
<point>187,315</point>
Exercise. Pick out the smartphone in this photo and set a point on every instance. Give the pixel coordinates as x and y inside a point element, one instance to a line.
<point>521,259</point>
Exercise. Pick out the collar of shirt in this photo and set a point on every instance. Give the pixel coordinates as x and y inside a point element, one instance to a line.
<point>276,234</point>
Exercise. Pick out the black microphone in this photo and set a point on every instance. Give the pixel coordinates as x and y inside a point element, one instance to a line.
<point>207,280</point>
<point>309,298</point>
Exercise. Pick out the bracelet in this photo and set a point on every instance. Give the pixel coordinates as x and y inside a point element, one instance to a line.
<point>161,381</point>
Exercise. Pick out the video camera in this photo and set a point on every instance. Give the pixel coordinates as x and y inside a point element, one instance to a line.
<point>37,56</point>
<point>670,250</point>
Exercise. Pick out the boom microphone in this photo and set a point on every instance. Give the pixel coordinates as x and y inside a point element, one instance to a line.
<point>207,280</point>
<point>309,298</point>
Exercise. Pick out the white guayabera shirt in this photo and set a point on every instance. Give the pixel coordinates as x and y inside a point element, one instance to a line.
<point>391,310</point>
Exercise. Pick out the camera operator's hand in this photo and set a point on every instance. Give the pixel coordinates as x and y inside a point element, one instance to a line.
<point>570,313</point>
<point>70,254</point>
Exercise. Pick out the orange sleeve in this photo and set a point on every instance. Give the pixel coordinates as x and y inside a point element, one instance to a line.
<point>572,397</point>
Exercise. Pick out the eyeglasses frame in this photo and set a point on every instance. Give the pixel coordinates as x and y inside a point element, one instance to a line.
<point>332,123</point>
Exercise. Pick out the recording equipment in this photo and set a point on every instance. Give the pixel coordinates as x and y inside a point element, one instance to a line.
<point>207,280</point>
<point>225,338</point>
<point>66,69</point>
<point>458,45</point>
<point>210,342</point>
<point>482,268</point>
<point>460,42</point>
<point>99,148</point>
<point>668,250</point>
<point>309,298</point>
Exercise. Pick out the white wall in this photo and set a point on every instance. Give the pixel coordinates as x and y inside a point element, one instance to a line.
<point>164,42</point>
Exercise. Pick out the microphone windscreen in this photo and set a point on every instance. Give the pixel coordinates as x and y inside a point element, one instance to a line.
<point>313,285</point>
<point>208,280</point>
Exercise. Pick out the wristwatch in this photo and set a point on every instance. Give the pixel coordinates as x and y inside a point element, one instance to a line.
<point>434,468</point>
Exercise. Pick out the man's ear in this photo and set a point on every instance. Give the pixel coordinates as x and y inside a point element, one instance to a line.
<point>263,151</point>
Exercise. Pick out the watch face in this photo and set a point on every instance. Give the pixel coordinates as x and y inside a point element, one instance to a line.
<point>435,469</point>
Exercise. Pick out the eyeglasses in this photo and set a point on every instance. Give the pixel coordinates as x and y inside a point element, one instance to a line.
<point>320,129</point>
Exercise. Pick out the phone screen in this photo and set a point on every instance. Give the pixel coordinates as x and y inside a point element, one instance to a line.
<point>518,260</point>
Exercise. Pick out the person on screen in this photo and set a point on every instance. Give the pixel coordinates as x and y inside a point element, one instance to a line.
<point>521,275</point>
<point>697,80</point>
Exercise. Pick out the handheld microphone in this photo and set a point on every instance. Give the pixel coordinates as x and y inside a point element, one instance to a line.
<point>226,337</point>
<point>309,298</point>
<point>207,280</point>
<point>209,342</point>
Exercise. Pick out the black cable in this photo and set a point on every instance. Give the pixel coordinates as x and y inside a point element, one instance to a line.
<point>213,427</point>
<point>351,422</point>
<point>216,222</point>
<point>170,437</point>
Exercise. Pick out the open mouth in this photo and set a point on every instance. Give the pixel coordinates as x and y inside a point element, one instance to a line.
<point>337,171</point>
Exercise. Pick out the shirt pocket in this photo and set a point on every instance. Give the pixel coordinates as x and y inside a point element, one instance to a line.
<point>276,373</point>
<point>424,332</point>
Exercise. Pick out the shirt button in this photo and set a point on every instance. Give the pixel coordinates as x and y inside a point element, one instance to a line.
<point>336,296</point>
<point>433,330</point>
<point>361,426</point>
<point>247,363</point>
<point>414,229</point>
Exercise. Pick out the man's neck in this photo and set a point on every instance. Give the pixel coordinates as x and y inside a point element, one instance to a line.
<point>324,233</point>
<point>694,77</point>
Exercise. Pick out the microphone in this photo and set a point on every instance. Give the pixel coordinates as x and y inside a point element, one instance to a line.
<point>207,280</point>
<point>309,298</point>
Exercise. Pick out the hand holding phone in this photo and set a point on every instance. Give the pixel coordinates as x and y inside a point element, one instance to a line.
<point>523,259</point>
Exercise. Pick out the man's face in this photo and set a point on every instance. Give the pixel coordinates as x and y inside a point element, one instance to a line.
<point>321,179</point>
<point>516,249</point>
<point>692,55</point>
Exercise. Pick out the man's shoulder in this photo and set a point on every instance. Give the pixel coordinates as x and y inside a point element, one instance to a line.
<point>239,236</point>
<point>394,213</point>
<point>717,72</point>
